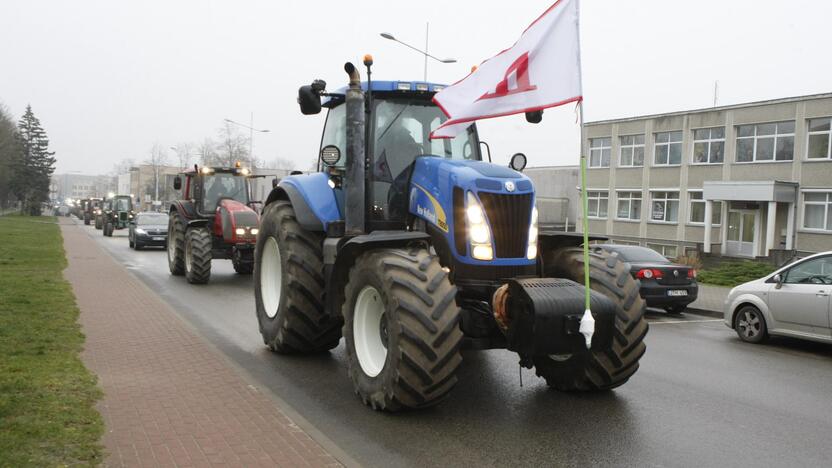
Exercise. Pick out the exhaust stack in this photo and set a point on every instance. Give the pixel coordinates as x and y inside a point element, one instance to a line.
<point>354,183</point>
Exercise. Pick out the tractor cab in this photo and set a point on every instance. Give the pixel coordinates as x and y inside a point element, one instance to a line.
<point>208,186</point>
<point>399,125</point>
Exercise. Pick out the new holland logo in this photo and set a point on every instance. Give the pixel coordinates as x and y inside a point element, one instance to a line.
<point>510,186</point>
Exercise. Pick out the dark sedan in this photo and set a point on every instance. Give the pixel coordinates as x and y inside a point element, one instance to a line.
<point>664,285</point>
<point>148,229</point>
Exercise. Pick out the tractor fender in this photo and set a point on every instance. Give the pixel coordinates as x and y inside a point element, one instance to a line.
<point>312,198</point>
<point>349,250</point>
<point>185,208</point>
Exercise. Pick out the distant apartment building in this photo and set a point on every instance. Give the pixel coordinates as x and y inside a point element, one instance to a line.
<point>746,180</point>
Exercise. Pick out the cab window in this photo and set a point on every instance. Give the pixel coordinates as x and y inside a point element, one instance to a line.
<point>335,131</point>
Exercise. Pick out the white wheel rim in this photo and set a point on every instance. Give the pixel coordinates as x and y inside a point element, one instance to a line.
<point>271,277</point>
<point>367,330</point>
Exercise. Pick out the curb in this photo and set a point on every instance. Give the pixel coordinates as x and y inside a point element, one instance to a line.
<point>706,313</point>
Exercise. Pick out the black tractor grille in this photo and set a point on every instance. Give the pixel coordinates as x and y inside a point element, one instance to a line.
<point>509,219</point>
<point>122,216</point>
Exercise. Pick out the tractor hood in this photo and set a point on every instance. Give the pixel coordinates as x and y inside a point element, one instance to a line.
<point>233,216</point>
<point>438,192</point>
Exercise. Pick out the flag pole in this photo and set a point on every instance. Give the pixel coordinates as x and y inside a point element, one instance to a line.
<point>587,326</point>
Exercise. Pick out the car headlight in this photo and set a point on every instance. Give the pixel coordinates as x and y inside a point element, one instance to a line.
<point>531,250</point>
<point>479,234</point>
<point>140,231</point>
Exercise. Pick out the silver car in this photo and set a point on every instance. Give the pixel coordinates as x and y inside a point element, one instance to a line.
<point>793,301</point>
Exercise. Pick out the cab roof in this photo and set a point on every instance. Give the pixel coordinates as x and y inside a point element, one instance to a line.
<point>418,88</point>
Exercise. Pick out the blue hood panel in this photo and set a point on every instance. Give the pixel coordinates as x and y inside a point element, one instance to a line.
<point>317,193</point>
<point>431,194</point>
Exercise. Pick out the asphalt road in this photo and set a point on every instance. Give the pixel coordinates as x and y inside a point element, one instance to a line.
<point>701,397</point>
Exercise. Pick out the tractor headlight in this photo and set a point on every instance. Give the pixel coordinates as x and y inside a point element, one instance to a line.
<point>240,231</point>
<point>254,231</point>
<point>479,234</point>
<point>531,250</point>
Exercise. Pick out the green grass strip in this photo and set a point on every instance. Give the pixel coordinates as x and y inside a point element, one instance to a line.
<point>47,396</point>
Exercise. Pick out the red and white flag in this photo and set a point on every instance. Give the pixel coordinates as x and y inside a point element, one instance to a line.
<point>542,69</point>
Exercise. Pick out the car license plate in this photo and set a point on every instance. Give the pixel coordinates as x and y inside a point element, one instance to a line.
<point>677,292</point>
<point>162,238</point>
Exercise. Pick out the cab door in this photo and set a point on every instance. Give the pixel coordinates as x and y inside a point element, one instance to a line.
<point>802,302</point>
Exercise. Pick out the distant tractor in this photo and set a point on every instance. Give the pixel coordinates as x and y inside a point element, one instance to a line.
<point>90,208</point>
<point>413,249</point>
<point>117,213</point>
<point>214,220</point>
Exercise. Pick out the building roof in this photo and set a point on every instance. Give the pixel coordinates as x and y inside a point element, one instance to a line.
<point>807,97</point>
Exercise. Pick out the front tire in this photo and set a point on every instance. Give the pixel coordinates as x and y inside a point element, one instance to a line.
<point>176,244</point>
<point>197,255</point>
<point>289,285</point>
<point>401,328</point>
<point>750,325</point>
<point>601,369</point>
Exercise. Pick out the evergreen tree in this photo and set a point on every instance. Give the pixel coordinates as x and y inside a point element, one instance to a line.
<point>35,166</point>
<point>9,151</point>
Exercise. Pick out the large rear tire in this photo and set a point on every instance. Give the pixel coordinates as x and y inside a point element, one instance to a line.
<point>289,285</point>
<point>198,255</point>
<point>401,328</point>
<point>176,244</point>
<point>601,369</point>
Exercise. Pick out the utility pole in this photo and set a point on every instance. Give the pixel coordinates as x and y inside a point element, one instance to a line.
<point>427,35</point>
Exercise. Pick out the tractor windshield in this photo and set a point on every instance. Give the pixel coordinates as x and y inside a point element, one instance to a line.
<point>219,186</point>
<point>121,204</point>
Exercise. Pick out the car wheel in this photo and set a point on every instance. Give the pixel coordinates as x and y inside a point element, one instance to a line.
<point>750,324</point>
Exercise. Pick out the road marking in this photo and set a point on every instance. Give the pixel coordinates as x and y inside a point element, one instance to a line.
<point>685,321</point>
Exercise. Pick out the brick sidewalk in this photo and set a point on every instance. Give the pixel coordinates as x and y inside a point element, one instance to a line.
<point>170,398</point>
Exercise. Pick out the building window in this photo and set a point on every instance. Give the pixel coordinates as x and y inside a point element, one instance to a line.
<point>664,207</point>
<point>817,210</point>
<point>598,203</point>
<point>599,152</point>
<point>708,145</point>
<point>632,151</point>
<point>668,148</point>
<point>624,242</point>
<point>629,205</point>
<point>697,209</point>
<point>669,251</point>
<point>765,142</point>
<point>820,139</point>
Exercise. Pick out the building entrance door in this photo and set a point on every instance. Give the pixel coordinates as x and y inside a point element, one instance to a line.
<point>742,233</point>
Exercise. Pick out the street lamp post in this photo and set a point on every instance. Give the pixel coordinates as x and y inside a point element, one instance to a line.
<point>423,52</point>
<point>251,130</point>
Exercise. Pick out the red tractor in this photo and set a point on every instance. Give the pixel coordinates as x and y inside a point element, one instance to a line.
<point>215,219</point>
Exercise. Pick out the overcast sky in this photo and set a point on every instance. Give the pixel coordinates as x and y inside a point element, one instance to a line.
<point>110,78</point>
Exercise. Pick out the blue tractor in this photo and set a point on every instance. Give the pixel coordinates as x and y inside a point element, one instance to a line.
<point>414,249</point>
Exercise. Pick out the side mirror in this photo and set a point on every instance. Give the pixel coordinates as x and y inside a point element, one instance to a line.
<point>518,162</point>
<point>177,183</point>
<point>779,280</point>
<point>309,99</point>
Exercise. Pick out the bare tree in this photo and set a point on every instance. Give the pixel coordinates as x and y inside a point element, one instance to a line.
<point>282,163</point>
<point>122,166</point>
<point>207,152</point>
<point>158,158</point>
<point>183,154</point>
<point>233,146</point>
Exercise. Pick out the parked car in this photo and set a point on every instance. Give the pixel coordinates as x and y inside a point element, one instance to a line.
<point>148,229</point>
<point>664,284</point>
<point>793,301</point>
